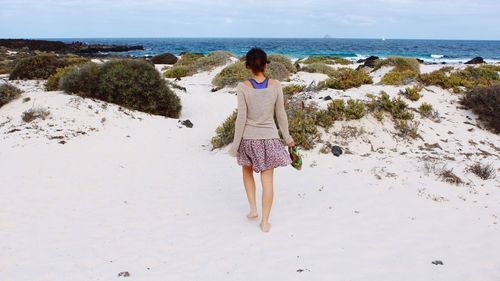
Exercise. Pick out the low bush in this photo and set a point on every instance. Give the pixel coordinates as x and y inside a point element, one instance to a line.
<point>355,109</point>
<point>277,71</point>
<point>293,89</point>
<point>425,109</point>
<point>484,172</point>
<point>405,70</point>
<point>231,75</point>
<point>334,111</point>
<point>165,58</point>
<point>52,83</point>
<point>326,60</point>
<point>212,60</point>
<point>470,77</point>
<point>188,59</point>
<point>302,125</point>
<point>179,71</point>
<point>447,175</point>
<point>35,113</point>
<point>224,134</point>
<point>345,78</point>
<point>82,81</point>
<point>485,102</point>
<point>318,67</point>
<point>284,60</point>
<point>8,93</point>
<point>36,67</point>
<point>134,84</point>
<point>412,94</point>
<point>407,128</point>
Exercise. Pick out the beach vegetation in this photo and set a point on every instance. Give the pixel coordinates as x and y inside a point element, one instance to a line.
<point>484,101</point>
<point>8,93</point>
<point>52,83</point>
<point>130,83</point>
<point>470,77</point>
<point>425,109</point>
<point>302,124</point>
<point>325,60</point>
<point>345,78</point>
<point>231,75</point>
<point>318,67</point>
<point>43,65</point>
<point>411,93</point>
<point>405,70</point>
<point>35,113</point>
<point>293,89</point>
<point>355,109</point>
<point>224,133</point>
<point>179,71</point>
<point>277,71</point>
<point>483,171</point>
<point>284,60</point>
<point>188,58</point>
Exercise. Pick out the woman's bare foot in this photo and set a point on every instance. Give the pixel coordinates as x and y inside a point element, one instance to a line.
<point>265,227</point>
<point>253,214</point>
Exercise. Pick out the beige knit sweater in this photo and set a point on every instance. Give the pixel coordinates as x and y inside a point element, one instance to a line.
<point>256,109</point>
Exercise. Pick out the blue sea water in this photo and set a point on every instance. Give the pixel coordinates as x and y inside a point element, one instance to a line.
<point>450,51</point>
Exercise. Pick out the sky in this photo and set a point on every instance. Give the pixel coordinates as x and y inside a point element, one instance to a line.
<point>416,19</point>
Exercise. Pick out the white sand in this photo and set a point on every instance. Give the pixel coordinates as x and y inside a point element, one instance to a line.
<point>143,194</point>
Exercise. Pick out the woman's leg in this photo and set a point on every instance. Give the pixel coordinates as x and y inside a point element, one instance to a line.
<point>267,197</point>
<point>249,183</point>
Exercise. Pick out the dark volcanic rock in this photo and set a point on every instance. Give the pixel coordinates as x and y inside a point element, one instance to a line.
<point>368,62</point>
<point>336,150</point>
<point>419,60</point>
<point>475,60</point>
<point>297,66</point>
<point>61,47</point>
<point>165,58</point>
<point>187,123</point>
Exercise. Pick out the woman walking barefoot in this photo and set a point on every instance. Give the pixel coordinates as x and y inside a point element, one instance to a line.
<point>257,145</point>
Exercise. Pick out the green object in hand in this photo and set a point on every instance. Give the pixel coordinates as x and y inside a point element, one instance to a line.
<point>296,157</point>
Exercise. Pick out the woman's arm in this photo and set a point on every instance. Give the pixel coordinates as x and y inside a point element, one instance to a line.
<point>281,115</point>
<point>239,126</point>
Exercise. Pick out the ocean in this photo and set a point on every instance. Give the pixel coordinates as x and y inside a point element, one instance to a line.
<point>438,51</point>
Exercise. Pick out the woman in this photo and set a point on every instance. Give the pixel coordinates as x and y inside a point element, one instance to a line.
<point>256,143</point>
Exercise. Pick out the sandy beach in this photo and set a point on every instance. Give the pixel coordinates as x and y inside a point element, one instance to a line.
<point>96,190</point>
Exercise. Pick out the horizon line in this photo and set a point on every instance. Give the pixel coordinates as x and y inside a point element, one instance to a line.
<point>240,37</point>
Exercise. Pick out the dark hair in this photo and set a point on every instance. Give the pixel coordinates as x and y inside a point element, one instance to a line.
<point>256,60</point>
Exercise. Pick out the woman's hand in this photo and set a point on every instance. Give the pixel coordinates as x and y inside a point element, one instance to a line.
<point>292,144</point>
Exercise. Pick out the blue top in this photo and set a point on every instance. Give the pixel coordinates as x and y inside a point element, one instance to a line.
<point>257,85</point>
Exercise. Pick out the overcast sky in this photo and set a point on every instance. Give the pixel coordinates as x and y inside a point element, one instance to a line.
<point>433,19</point>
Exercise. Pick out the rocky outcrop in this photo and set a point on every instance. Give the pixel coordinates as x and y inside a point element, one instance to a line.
<point>165,58</point>
<point>61,47</point>
<point>476,60</point>
<point>368,62</point>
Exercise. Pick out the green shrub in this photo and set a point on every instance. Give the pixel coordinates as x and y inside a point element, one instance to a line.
<point>231,75</point>
<point>396,77</point>
<point>179,71</point>
<point>355,109</point>
<point>52,83</point>
<point>212,60</point>
<point>224,134</point>
<point>293,89</point>
<point>302,123</point>
<point>326,60</point>
<point>470,77</point>
<point>165,58</point>
<point>485,102</point>
<point>35,113</point>
<point>412,94</point>
<point>407,128</point>
<point>188,59</point>
<point>284,60</point>
<point>345,78</point>
<point>379,115</point>
<point>405,70</point>
<point>75,60</point>
<point>130,83</point>
<point>8,93</point>
<point>425,109</point>
<point>318,67</point>
<point>36,67</point>
<point>82,81</point>
<point>334,111</point>
<point>277,71</point>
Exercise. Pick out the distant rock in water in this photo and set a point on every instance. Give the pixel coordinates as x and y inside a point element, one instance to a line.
<point>475,60</point>
<point>61,47</point>
<point>165,58</point>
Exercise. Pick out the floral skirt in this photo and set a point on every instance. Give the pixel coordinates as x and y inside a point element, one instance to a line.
<point>263,154</point>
